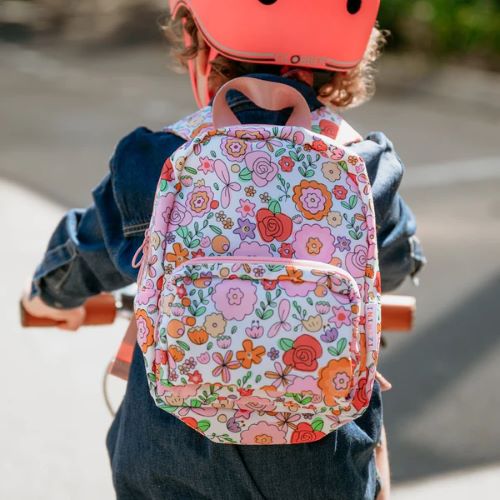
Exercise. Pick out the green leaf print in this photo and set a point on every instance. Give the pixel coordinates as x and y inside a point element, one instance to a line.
<point>268,314</point>
<point>275,207</point>
<point>163,185</point>
<point>216,230</point>
<point>183,345</point>
<point>337,351</point>
<point>190,170</point>
<point>285,344</point>
<point>341,345</point>
<point>245,175</point>
<point>343,165</point>
<point>182,232</point>
<point>195,403</point>
<point>317,424</point>
<point>203,425</point>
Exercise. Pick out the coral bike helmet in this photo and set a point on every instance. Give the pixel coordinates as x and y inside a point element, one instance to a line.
<point>327,35</point>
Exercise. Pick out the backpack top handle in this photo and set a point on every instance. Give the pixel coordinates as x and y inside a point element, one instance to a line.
<point>267,95</point>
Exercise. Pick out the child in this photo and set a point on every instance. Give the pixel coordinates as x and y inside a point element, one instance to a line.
<point>154,455</point>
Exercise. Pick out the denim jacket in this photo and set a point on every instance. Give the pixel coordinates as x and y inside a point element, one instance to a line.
<point>91,250</point>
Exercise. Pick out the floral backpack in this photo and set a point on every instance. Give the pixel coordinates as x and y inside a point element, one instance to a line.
<point>258,305</point>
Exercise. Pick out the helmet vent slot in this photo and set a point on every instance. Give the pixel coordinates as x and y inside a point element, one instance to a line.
<point>353,6</point>
<point>268,2</point>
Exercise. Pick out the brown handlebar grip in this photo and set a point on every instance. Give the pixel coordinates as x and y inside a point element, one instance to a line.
<point>100,310</point>
<point>398,313</point>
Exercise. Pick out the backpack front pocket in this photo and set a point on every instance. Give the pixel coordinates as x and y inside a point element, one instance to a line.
<point>258,334</point>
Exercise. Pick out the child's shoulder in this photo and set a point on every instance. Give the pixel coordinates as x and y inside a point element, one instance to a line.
<point>142,150</point>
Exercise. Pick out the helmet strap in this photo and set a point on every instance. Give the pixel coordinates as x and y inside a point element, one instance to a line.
<point>199,76</point>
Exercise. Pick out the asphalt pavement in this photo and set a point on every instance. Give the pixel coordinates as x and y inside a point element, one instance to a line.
<point>62,112</point>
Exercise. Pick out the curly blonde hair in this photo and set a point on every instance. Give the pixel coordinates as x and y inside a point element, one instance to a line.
<point>339,90</point>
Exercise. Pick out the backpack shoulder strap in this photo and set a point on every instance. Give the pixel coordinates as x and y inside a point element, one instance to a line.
<point>332,125</point>
<point>192,125</point>
<point>324,122</point>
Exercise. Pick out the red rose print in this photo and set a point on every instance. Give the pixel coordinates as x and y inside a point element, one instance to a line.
<point>304,354</point>
<point>286,164</point>
<point>304,433</point>
<point>245,392</point>
<point>340,192</point>
<point>273,226</point>
<point>319,145</point>
<point>362,397</point>
<point>329,128</point>
<point>168,170</point>
<point>191,422</point>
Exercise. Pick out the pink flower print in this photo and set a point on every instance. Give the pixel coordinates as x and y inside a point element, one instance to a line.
<point>246,229</point>
<point>228,186</point>
<point>322,307</point>
<point>224,365</point>
<point>341,316</point>
<point>224,341</point>
<point>337,154</point>
<point>234,296</point>
<point>205,242</point>
<point>235,299</point>
<point>314,242</point>
<point>146,292</point>
<point>263,169</point>
<point>252,249</point>
<point>253,403</point>
<point>184,391</point>
<point>309,384</point>
<point>174,213</point>
<point>246,208</point>
<point>281,376</point>
<point>341,381</point>
<point>356,261</point>
<point>263,433</point>
<point>287,420</point>
<point>255,331</point>
<point>203,358</point>
<point>206,165</point>
<point>294,289</point>
<point>282,324</point>
<point>199,201</point>
<point>313,200</point>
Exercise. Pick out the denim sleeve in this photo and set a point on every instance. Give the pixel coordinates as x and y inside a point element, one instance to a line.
<point>91,250</point>
<point>400,252</point>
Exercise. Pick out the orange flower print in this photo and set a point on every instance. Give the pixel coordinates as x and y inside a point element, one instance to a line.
<point>335,379</point>
<point>292,274</point>
<point>145,337</point>
<point>179,254</point>
<point>176,352</point>
<point>313,200</point>
<point>314,246</point>
<point>249,355</point>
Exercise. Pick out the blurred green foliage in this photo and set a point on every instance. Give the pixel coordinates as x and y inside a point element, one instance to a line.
<point>469,28</point>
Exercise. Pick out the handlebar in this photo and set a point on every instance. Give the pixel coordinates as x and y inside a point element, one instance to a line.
<point>397,313</point>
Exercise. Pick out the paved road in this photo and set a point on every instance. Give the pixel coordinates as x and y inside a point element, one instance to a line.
<point>61,113</point>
